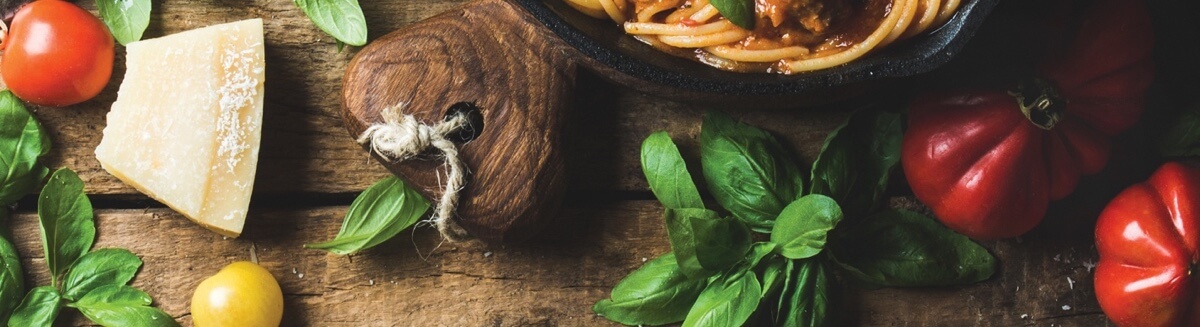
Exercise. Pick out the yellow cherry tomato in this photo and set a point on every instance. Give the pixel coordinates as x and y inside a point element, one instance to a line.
<point>242,294</point>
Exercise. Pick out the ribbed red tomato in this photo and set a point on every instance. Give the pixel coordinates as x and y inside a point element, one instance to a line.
<point>1149,243</point>
<point>989,162</point>
<point>56,54</point>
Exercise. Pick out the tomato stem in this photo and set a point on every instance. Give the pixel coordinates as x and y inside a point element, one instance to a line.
<point>1045,108</point>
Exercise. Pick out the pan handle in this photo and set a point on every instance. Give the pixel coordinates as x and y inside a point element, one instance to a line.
<point>517,75</point>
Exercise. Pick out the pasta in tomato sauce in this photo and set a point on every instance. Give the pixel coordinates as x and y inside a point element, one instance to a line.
<point>788,36</point>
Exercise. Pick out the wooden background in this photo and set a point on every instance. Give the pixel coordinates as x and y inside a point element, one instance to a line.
<point>310,170</point>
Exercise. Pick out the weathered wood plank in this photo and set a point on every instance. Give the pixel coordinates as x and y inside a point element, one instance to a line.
<point>415,280</point>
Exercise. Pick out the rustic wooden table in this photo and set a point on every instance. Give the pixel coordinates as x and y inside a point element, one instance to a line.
<point>310,170</point>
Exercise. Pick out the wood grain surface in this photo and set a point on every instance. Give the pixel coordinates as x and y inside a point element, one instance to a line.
<point>311,169</point>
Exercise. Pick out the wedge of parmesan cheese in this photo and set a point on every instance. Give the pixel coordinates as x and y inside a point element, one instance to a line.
<point>186,125</point>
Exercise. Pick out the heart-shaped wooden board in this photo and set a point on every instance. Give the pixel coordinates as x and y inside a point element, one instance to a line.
<point>514,71</point>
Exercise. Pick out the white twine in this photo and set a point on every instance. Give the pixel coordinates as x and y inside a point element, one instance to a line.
<point>401,137</point>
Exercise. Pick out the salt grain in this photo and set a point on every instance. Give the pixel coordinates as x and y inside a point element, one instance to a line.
<point>1089,265</point>
<point>1066,308</point>
<point>372,282</point>
<point>1070,283</point>
<point>1025,316</point>
<point>301,275</point>
<point>643,259</point>
<point>487,254</point>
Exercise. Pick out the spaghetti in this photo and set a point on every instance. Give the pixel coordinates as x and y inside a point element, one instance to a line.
<point>789,36</point>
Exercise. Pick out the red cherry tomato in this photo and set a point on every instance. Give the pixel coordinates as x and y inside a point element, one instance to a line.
<point>1148,239</point>
<point>56,54</point>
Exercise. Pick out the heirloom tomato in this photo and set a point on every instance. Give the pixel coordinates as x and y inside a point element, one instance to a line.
<point>988,162</point>
<point>56,54</point>
<point>1148,239</point>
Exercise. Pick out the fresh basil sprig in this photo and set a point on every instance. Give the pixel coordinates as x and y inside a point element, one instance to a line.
<point>835,226</point>
<point>93,282</point>
<point>343,19</point>
<point>377,215</point>
<point>738,12</point>
<point>126,19</point>
<point>747,171</point>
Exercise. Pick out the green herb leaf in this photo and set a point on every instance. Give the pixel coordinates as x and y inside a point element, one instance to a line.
<point>1182,138</point>
<point>747,171</point>
<point>904,248</point>
<point>738,12</point>
<point>857,160</point>
<point>667,174</point>
<point>127,19</point>
<point>705,243</point>
<point>802,227</point>
<point>805,301</point>
<point>657,293</point>
<point>38,309</point>
<point>12,281</point>
<point>378,214</point>
<point>22,142</point>
<point>726,302</point>
<point>66,222</point>
<point>100,268</point>
<point>343,19</point>
<point>121,305</point>
<point>774,275</point>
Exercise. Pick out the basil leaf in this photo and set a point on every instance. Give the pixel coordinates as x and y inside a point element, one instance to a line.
<point>38,309</point>
<point>114,294</point>
<point>22,142</point>
<point>657,293</point>
<point>12,281</point>
<point>747,171</point>
<point>803,225</point>
<point>66,222</point>
<point>758,252</point>
<point>856,161</point>
<point>127,19</point>
<point>738,12</point>
<point>100,268</point>
<point>343,19</point>
<point>703,242</point>
<point>726,302</point>
<point>1182,138</point>
<point>121,305</point>
<point>806,301</point>
<point>377,215</point>
<point>904,248</point>
<point>774,276</point>
<point>667,174</point>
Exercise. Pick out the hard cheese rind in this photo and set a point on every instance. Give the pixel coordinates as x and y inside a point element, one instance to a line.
<point>186,125</point>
